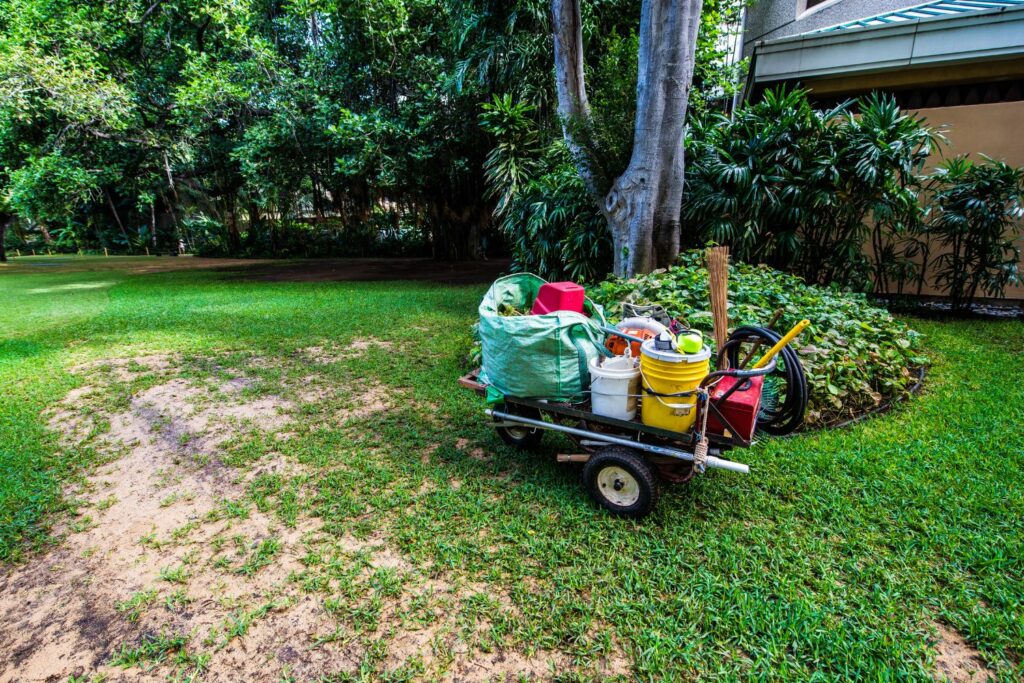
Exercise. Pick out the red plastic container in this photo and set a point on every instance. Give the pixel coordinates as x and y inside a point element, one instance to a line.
<point>558,296</point>
<point>740,409</point>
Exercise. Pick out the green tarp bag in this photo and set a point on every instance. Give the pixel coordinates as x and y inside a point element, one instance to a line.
<point>537,356</point>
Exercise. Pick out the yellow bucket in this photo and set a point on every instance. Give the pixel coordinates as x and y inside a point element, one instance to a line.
<point>669,372</point>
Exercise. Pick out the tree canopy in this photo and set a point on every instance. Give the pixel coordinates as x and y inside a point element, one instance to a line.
<point>291,127</point>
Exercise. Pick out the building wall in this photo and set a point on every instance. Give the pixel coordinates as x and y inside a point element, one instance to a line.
<point>990,129</point>
<point>768,19</point>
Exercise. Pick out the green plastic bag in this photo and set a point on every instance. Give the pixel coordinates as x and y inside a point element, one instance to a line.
<point>536,356</point>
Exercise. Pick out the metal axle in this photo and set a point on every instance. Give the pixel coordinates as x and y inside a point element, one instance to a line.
<point>713,461</point>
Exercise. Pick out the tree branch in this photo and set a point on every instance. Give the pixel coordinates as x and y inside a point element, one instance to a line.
<point>145,15</point>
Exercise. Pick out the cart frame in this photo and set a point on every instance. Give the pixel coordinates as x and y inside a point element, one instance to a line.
<point>651,441</point>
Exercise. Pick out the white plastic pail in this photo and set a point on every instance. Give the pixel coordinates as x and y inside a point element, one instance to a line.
<point>614,385</point>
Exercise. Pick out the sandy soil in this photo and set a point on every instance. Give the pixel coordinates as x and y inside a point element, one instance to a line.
<point>154,524</point>
<point>957,661</point>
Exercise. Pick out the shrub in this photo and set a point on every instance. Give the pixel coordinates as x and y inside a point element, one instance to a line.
<point>855,355</point>
<point>805,190</point>
<point>543,207</point>
<point>975,208</point>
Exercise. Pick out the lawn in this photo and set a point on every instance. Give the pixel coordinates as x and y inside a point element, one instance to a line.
<point>212,477</point>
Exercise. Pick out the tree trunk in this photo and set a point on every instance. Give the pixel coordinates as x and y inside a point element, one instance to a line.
<point>644,204</point>
<point>4,220</point>
<point>234,235</point>
<point>117,219</point>
<point>569,77</point>
<point>255,226</point>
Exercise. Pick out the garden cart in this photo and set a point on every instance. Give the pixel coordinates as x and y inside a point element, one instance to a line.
<point>548,372</point>
<point>626,461</point>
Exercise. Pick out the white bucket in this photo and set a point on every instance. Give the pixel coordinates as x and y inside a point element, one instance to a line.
<point>614,385</point>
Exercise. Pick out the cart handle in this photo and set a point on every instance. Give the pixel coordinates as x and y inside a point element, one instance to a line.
<point>740,374</point>
<point>713,461</point>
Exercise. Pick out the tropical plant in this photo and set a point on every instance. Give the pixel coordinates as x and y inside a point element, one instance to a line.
<point>883,151</point>
<point>805,190</point>
<point>542,205</point>
<point>977,207</point>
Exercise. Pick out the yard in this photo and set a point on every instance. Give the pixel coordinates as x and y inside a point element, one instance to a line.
<point>218,475</point>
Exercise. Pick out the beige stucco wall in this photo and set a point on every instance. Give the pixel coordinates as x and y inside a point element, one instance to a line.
<point>993,129</point>
<point>996,130</point>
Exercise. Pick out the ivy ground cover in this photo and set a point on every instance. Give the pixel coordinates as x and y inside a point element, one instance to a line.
<point>855,355</point>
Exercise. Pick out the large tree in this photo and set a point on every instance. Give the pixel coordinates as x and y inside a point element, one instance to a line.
<point>643,205</point>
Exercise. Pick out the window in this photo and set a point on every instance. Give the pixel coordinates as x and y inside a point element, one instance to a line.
<point>805,6</point>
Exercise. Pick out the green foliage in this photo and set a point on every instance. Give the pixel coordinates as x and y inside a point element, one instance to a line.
<point>52,189</point>
<point>855,354</point>
<point>513,159</point>
<point>233,129</point>
<point>606,136</point>
<point>804,190</point>
<point>134,606</point>
<point>230,128</point>
<point>153,649</point>
<point>977,208</point>
<point>545,211</point>
<point>717,75</point>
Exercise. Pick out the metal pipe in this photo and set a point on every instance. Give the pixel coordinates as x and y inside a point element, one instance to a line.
<point>713,461</point>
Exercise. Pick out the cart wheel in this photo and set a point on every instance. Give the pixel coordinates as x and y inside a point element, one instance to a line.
<point>621,481</point>
<point>521,437</point>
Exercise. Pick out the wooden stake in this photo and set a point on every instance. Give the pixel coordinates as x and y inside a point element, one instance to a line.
<point>147,251</point>
<point>105,253</point>
<point>718,291</point>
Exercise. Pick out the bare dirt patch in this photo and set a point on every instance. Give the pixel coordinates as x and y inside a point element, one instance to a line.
<point>476,452</point>
<point>155,530</point>
<point>956,660</point>
<point>330,352</point>
<point>126,369</point>
<point>375,398</point>
<point>172,546</point>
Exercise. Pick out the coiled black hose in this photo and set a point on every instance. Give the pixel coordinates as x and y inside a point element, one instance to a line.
<point>788,413</point>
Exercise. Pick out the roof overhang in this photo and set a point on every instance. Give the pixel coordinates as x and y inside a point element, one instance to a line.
<point>933,42</point>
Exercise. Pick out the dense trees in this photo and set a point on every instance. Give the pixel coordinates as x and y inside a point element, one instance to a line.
<point>271,126</point>
<point>252,126</point>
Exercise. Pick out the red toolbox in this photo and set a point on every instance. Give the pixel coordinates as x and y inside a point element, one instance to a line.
<point>740,408</point>
<point>558,296</point>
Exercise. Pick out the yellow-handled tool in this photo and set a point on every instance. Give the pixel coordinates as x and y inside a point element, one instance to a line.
<point>790,336</point>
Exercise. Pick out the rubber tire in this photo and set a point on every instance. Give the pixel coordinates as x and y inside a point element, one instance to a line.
<point>521,438</point>
<point>636,465</point>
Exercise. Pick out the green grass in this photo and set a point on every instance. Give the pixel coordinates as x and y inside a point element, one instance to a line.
<point>832,560</point>
<point>158,648</point>
<point>134,606</point>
